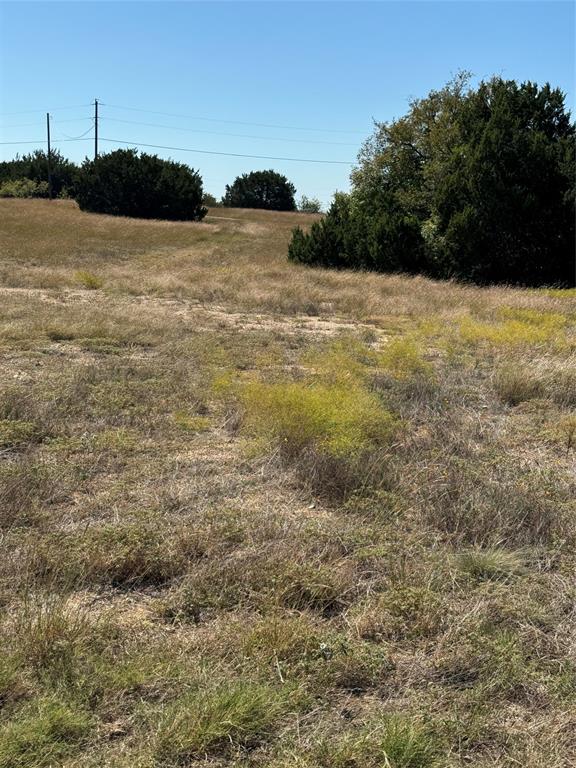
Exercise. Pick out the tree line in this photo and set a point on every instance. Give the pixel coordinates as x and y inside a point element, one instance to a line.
<point>127,183</point>
<point>476,184</point>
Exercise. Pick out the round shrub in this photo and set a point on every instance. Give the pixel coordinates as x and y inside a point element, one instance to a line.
<point>125,183</point>
<point>261,189</point>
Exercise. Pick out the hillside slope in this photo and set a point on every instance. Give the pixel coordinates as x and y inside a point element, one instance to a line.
<point>259,515</point>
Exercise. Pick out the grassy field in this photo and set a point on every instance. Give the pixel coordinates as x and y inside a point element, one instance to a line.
<point>258,515</point>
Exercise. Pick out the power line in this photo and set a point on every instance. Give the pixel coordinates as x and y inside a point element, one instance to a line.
<point>30,111</point>
<point>226,154</point>
<point>40,141</point>
<point>235,135</point>
<point>36,123</point>
<point>235,122</point>
<point>75,138</point>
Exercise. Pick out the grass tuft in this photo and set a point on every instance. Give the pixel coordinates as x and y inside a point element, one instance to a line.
<point>214,720</point>
<point>43,734</point>
<point>89,280</point>
<point>491,564</point>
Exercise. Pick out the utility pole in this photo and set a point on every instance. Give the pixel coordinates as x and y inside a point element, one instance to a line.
<point>48,156</point>
<point>95,128</point>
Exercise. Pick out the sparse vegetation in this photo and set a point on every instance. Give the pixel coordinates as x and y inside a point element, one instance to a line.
<point>259,515</point>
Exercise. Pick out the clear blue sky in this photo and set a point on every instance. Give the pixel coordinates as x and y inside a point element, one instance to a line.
<point>326,66</point>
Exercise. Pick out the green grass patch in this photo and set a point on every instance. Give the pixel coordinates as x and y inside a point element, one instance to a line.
<point>403,358</point>
<point>516,327</point>
<point>491,564</point>
<point>43,734</point>
<point>191,422</point>
<point>88,280</point>
<point>214,720</point>
<point>337,420</point>
<point>16,432</point>
<point>392,742</point>
<point>127,554</point>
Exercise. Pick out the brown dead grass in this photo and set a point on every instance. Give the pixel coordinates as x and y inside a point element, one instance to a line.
<point>175,591</point>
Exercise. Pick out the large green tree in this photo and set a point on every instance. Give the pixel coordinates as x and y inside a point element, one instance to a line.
<point>475,184</point>
<point>505,202</point>
<point>261,189</point>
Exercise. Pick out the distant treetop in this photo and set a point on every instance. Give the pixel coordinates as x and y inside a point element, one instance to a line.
<point>261,189</point>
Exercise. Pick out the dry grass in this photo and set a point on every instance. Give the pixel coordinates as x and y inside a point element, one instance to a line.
<point>259,515</point>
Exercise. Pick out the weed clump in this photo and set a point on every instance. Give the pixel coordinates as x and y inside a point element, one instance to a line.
<point>514,385</point>
<point>516,327</point>
<point>335,434</point>
<point>89,280</point>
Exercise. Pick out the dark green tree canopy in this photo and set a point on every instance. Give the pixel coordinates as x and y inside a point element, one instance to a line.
<point>474,184</point>
<point>34,166</point>
<point>505,203</point>
<point>261,189</point>
<point>124,183</point>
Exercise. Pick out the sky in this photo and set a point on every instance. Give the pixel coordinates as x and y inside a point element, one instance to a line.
<point>302,80</point>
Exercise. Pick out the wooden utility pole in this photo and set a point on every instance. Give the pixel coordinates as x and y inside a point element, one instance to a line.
<point>48,156</point>
<point>95,128</point>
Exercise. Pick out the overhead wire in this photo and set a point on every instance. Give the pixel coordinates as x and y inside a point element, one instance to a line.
<point>30,111</point>
<point>220,133</point>
<point>235,122</point>
<point>83,136</point>
<point>226,154</point>
<point>41,141</point>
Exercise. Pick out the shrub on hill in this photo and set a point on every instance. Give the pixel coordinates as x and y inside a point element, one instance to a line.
<point>309,205</point>
<point>473,184</point>
<point>24,188</point>
<point>261,189</point>
<point>209,200</point>
<point>34,168</point>
<point>124,183</point>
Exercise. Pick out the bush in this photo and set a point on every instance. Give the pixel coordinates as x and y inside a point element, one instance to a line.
<point>24,188</point>
<point>506,201</point>
<point>34,168</point>
<point>209,200</point>
<point>261,189</point>
<point>124,183</point>
<point>386,240</point>
<point>309,205</point>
